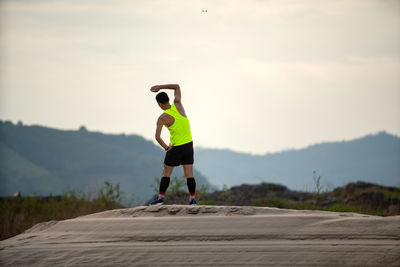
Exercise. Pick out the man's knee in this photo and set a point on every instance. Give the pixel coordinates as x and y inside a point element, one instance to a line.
<point>167,171</point>
<point>188,170</point>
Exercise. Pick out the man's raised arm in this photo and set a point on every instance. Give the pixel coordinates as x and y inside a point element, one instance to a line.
<point>175,87</point>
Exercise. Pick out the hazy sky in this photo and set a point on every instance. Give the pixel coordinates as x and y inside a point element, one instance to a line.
<point>256,76</point>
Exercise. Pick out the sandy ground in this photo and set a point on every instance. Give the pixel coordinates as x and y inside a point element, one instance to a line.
<point>180,235</point>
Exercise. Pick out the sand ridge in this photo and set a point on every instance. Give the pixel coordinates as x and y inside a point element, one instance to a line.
<point>206,210</point>
<point>179,235</point>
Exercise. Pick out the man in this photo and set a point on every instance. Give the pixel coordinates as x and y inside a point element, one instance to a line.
<point>180,149</point>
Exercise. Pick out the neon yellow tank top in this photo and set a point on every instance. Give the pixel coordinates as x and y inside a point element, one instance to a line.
<point>180,130</point>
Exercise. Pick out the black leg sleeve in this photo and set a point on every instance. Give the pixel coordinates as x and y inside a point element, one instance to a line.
<point>191,184</point>
<point>164,184</point>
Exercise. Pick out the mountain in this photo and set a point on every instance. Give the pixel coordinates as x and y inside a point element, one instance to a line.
<point>41,160</point>
<point>373,158</point>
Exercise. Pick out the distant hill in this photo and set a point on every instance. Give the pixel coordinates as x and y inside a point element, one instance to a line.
<point>373,158</point>
<point>43,160</point>
<point>36,159</point>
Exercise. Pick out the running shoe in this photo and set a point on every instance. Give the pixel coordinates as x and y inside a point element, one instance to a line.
<point>192,202</point>
<point>157,202</point>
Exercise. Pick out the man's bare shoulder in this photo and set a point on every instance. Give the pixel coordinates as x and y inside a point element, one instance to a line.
<point>162,117</point>
<point>165,119</point>
<point>181,109</point>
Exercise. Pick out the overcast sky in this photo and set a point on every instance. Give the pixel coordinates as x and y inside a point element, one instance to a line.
<point>256,76</point>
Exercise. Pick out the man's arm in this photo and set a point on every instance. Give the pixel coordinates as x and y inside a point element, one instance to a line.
<point>160,124</point>
<point>175,87</point>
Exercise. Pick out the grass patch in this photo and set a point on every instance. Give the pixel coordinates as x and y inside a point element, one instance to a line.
<point>21,213</point>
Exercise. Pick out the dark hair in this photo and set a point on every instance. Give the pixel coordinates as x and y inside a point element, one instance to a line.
<point>162,98</point>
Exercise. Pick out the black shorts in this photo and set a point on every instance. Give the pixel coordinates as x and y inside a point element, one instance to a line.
<point>179,155</point>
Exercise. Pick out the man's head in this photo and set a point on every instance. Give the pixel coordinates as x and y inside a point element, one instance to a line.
<point>163,100</point>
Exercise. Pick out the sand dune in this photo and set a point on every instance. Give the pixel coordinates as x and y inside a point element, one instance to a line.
<point>179,235</point>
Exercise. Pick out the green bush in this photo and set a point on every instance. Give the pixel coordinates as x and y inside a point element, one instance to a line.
<point>20,213</point>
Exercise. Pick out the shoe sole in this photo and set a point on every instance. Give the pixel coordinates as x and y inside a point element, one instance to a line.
<point>156,204</point>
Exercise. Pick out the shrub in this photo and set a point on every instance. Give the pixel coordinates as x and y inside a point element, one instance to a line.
<point>20,213</point>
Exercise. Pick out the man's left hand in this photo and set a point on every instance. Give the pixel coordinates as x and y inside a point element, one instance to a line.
<point>155,88</point>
